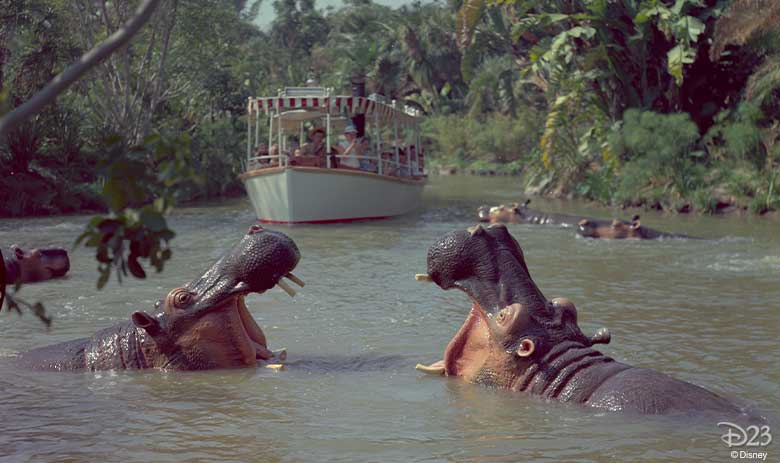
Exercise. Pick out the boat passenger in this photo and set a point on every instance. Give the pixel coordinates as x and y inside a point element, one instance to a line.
<point>350,148</point>
<point>316,147</point>
<point>366,164</point>
<point>388,166</point>
<point>403,168</point>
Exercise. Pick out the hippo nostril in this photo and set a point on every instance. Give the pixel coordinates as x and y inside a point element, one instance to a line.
<point>254,229</point>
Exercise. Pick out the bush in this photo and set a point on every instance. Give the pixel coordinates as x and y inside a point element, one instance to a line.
<point>660,166</point>
<point>497,141</point>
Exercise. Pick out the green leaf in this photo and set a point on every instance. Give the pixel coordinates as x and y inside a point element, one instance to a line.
<point>113,194</point>
<point>153,220</point>
<point>688,28</point>
<point>677,57</point>
<point>647,14</point>
<point>103,278</point>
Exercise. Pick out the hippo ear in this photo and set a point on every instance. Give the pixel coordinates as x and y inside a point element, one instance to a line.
<point>526,348</point>
<point>148,323</point>
<point>527,202</point>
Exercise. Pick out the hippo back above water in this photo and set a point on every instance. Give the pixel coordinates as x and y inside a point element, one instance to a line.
<point>203,325</point>
<point>521,213</point>
<point>619,230</point>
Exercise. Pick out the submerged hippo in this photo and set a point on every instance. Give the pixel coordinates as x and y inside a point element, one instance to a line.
<point>204,324</point>
<point>618,230</point>
<point>514,338</point>
<point>29,266</point>
<point>521,213</point>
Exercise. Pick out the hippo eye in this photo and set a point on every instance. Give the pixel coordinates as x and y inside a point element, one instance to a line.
<point>179,298</point>
<point>502,315</point>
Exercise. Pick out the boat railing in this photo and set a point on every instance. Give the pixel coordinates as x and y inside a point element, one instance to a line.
<point>389,167</point>
<point>272,160</point>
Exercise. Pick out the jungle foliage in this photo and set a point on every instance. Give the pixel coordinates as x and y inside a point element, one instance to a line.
<point>671,104</point>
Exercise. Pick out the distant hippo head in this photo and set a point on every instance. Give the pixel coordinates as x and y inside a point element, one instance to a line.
<point>615,230</point>
<point>38,264</point>
<point>511,324</point>
<point>205,323</point>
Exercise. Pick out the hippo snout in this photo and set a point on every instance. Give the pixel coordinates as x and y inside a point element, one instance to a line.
<point>254,265</point>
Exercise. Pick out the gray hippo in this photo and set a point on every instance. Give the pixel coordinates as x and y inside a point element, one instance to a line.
<point>619,230</point>
<point>203,324</point>
<point>587,227</point>
<point>514,338</point>
<point>33,265</point>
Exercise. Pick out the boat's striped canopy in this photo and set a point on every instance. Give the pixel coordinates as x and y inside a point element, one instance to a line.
<point>319,103</point>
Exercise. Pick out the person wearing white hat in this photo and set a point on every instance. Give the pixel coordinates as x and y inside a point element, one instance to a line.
<point>350,148</point>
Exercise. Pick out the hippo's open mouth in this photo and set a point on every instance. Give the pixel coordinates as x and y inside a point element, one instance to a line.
<point>254,334</point>
<point>468,342</point>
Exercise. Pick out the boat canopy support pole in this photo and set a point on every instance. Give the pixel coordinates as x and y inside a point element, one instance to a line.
<point>279,147</point>
<point>417,149</point>
<point>395,132</point>
<point>249,131</point>
<point>256,120</point>
<point>270,129</point>
<point>377,142</point>
<point>327,138</point>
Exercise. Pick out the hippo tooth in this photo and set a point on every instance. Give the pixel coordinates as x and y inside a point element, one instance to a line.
<point>433,369</point>
<point>476,230</point>
<point>275,366</point>
<point>287,289</point>
<point>295,280</point>
<point>423,277</point>
<point>280,354</point>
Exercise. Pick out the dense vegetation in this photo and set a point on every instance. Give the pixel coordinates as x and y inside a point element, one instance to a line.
<point>672,104</point>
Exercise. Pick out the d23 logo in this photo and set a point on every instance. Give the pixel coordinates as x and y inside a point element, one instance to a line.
<point>751,436</point>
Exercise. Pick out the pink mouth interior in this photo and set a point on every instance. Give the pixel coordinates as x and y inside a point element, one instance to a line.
<point>254,334</point>
<point>456,348</point>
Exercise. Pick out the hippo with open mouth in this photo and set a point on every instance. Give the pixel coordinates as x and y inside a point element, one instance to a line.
<point>514,338</point>
<point>203,324</point>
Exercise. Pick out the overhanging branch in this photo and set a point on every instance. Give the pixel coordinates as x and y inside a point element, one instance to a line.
<point>70,75</point>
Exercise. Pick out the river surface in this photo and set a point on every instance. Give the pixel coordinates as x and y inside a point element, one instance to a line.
<point>704,311</point>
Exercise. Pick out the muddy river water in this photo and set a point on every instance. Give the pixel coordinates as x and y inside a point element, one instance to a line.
<point>704,311</point>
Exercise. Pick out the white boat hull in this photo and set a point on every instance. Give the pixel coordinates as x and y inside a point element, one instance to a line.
<point>315,195</point>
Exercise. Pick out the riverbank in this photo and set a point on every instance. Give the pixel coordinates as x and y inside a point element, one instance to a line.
<point>726,193</point>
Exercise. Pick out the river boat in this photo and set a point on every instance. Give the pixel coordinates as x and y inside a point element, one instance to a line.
<point>287,186</point>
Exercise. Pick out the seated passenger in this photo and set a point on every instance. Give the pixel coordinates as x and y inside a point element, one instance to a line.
<point>403,167</point>
<point>316,147</point>
<point>350,148</point>
<point>388,166</point>
<point>368,165</point>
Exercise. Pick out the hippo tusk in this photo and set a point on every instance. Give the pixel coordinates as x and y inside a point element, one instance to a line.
<point>280,354</point>
<point>287,289</point>
<point>423,277</point>
<point>432,369</point>
<point>275,366</point>
<point>295,280</point>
